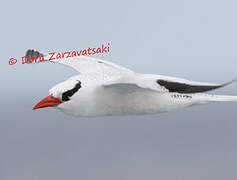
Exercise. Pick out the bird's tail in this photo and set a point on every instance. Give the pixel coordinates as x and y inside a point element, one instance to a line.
<point>218,98</point>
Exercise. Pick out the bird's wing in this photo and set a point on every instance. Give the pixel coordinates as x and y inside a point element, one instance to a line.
<point>161,84</point>
<point>186,86</point>
<point>84,64</point>
<point>116,75</point>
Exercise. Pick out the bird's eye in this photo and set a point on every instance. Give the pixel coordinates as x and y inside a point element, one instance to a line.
<point>66,95</point>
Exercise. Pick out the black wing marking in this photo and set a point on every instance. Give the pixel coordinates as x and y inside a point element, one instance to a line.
<point>31,53</point>
<point>66,95</point>
<point>187,88</point>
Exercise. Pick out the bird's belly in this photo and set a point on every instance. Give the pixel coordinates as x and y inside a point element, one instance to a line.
<point>136,103</point>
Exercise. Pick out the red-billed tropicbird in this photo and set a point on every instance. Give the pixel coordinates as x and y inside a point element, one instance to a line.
<point>103,88</point>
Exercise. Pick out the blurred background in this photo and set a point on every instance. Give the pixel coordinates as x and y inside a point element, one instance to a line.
<point>196,40</point>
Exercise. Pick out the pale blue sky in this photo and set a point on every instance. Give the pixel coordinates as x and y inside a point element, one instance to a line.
<point>190,39</point>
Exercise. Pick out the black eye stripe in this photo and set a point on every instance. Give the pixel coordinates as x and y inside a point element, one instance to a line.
<point>66,95</point>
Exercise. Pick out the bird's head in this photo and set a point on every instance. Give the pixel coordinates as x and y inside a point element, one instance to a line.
<point>59,94</point>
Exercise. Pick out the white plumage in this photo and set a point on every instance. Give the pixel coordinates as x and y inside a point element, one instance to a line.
<point>103,88</point>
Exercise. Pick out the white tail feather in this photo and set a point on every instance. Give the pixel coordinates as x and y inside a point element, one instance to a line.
<point>219,98</point>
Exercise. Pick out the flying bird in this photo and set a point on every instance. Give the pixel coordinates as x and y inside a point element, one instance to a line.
<point>103,88</point>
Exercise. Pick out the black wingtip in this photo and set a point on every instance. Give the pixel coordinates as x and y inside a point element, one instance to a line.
<point>179,87</point>
<point>31,53</point>
<point>188,88</point>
